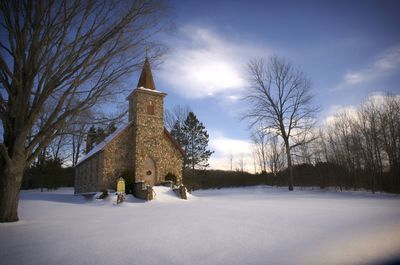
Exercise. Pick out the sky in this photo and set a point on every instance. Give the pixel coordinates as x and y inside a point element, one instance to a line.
<point>349,49</point>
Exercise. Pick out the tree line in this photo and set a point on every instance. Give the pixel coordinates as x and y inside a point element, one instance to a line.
<point>356,148</point>
<point>361,146</point>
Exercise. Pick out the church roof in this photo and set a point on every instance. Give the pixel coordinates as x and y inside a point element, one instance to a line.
<point>109,138</point>
<point>146,77</point>
<point>99,147</point>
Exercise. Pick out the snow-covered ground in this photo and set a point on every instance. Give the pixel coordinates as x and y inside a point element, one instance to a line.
<point>254,225</point>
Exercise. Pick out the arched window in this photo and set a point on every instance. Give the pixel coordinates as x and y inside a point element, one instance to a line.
<point>150,107</point>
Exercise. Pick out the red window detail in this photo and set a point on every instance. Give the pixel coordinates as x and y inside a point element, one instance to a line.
<point>150,108</point>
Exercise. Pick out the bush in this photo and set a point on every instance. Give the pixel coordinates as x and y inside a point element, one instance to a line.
<point>104,194</point>
<point>49,174</point>
<point>322,175</point>
<point>171,177</point>
<point>211,179</point>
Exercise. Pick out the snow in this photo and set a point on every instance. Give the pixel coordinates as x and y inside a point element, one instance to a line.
<point>150,90</point>
<point>253,225</point>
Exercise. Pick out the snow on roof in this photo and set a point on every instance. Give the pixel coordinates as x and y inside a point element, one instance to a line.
<point>150,90</point>
<point>101,145</point>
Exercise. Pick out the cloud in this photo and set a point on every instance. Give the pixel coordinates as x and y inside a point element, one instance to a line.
<point>388,60</point>
<point>331,117</point>
<point>385,63</point>
<point>377,98</point>
<point>354,78</point>
<point>204,64</point>
<point>226,148</point>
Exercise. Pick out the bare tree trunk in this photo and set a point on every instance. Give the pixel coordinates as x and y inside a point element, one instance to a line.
<point>290,167</point>
<point>10,183</point>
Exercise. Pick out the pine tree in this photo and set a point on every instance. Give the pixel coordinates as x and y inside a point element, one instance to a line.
<point>195,142</point>
<point>178,134</point>
<point>91,139</point>
<point>111,128</point>
<point>101,135</point>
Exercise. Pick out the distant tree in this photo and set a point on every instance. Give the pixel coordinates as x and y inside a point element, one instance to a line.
<point>100,135</point>
<point>176,114</point>
<point>78,134</point>
<point>275,155</point>
<point>260,141</point>
<point>366,142</point>
<point>231,161</point>
<point>178,134</point>
<point>111,128</point>
<point>280,100</point>
<point>91,139</point>
<point>62,58</point>
<point>195,142</point>
<point>241,163</point>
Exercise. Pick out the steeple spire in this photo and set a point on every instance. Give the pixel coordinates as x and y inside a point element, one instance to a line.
<point>146,77</point>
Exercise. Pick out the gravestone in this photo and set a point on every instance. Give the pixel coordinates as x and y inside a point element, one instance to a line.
<point>120,190</point>
<point>121,185</point>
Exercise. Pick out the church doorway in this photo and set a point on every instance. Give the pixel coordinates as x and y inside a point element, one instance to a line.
<point>150,172</point>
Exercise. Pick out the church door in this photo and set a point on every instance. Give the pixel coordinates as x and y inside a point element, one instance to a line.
<point>150,172</point>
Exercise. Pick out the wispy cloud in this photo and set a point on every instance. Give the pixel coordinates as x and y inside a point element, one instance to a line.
<point>388,62</point>
<point>331,117</point>
<point>226,148</point>
<point>378,98</point>
<point>203,63</point>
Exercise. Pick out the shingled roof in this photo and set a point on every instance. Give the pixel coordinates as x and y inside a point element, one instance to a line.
<point>146,77</point>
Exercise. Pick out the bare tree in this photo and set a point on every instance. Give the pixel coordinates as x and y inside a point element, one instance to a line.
<point>389,129</point>
<point>69,53</point>
<point>176,114</point>
<point>260,141</point>
<point>57,148</point>
<point>275,155</point>
<point>78,132</point>
<point>241,162</point>
<point>279,98</point>
<point>231,160</point>
<point>366,142</point>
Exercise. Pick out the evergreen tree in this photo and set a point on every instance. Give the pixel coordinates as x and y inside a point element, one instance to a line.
<point>194,139</point>
<point>111,128</point>
<point>178,134</point>
<point>100,135</point>
<point>91,139</point>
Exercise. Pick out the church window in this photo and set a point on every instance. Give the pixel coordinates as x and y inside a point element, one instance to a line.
<point>150,108</point>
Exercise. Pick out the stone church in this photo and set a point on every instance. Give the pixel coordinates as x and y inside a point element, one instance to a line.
<point>142,146</point>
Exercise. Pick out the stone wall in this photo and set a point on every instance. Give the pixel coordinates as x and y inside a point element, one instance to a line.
<point>89,174</point>
<point>118,156</point>
<point>151,141</point>
<point>171,161</point>
<point>149,131</point>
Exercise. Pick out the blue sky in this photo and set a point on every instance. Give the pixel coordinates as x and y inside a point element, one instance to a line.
<point>349,49</point>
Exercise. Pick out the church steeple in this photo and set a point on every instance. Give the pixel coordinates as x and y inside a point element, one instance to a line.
<point>146,77</point>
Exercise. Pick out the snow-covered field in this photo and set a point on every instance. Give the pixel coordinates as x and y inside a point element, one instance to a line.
<point>255,225</point>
